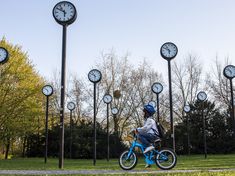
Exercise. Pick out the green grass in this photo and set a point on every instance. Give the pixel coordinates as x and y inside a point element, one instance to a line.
<point>159,174</point>
<point>193,162</point>
<point>184,162</point>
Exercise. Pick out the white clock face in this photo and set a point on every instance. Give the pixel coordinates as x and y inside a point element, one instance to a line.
<point>71,106</point>
<point>153,104</point>
<point>114,111</point>
<point>201,96</point>
<point>229,71</point>
<point>157,88</point>
<point>3,55</point>
<point>47,90</point>
<point>107,98</point>
<point>64,12</point>
<point>94,76</point>
<point>186,108</point>
<point>168,50</point>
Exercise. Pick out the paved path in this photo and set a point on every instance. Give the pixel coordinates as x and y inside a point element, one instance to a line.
<point>86,172</point>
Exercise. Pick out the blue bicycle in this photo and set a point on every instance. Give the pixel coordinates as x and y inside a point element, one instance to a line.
<point>164,158</point>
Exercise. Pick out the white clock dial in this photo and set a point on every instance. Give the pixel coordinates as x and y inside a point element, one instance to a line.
<point>71,106</point>
<point>107,98</point>
<point>229,71</point>
<point>201,96</point>
<point>94,75</point>
<point>157,88</point>
<point>3,55</point>
<point>153,104</point>
<point>47,90</point>
<point>187,108</point>
<point>114,111</point>
<point>168,50</point>
<point>64,12</point>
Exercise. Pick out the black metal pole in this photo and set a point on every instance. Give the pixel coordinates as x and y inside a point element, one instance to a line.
<point>70,130</point>
<point>232,106</point>
<point>46,132</point>
<point>94,125</point>
<point>61,154</point>
<point>107,132</point>
<point>232,99</point>
<point>171,107</point>
<point>188,138</point>
<point>204,131</point>
<point>158,112</point>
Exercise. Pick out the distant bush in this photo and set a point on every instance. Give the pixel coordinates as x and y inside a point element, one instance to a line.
<point>82,143</point>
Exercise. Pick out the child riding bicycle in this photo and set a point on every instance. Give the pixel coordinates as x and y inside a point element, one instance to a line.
<point>149,132</point>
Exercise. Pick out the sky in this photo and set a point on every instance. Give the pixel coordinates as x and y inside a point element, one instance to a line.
<point>205,28</point>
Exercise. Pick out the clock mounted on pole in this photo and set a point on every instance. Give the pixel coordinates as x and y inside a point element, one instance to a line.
<point>65,14</point>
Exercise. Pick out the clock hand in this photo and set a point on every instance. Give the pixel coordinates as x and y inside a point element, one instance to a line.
<point>60,9</point>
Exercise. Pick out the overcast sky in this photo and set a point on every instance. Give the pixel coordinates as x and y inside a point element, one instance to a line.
<point>205,28</point>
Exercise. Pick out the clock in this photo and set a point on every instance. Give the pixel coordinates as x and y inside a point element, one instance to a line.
<point>71,106</point>
<point>114,111</point>
<point>94,75</point>
<point>107,98</point>
<point>201,96</point>
<point>229,71</point>
<point>3,55</point>
<point>157,88</point>
<point>152,103</point>
<point>64,13</point>
<point>168,50</point>
<point>187,108</point>
<point>47,90</point>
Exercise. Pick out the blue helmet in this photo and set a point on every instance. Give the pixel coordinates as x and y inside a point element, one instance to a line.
<point>150,109</point>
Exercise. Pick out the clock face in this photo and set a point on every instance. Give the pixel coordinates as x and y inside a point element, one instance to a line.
<point>107,98</point>
<point>94,75</point>
<point>153,104</point>
<point>201,96</point>
<point>114,111</point>
<point>71,106</point>
<point>3,55</point>
<point>157,88</point>
<point>229,71</point>
<point>168,50</point>
<point>47,90</point>
<point>187,108</point>
<point>64,12</point>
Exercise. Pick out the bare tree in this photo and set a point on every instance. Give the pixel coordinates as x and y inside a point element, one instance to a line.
<point>219,85</point>
<point>134,85</point>
<point>186,82</point>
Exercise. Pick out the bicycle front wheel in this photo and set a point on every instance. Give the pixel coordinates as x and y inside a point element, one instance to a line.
<point>166,159</point>
<point>127,163</point>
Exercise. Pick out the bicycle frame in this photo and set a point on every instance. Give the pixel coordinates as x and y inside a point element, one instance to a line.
<point>149,157</point>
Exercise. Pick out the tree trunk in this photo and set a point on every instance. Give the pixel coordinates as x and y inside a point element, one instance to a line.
<point>24,147</point>
<point>7,148</point>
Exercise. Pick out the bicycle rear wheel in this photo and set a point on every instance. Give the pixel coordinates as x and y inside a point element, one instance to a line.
<point>127,163</point>
<point>166,159</point>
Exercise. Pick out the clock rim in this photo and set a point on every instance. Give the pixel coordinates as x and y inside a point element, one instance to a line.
<point>203,93</point>
<point>71,103</point>
<point>226,74</point>
<point>185,107</point>
<point>47,85</point>
<point>6,58</point>
<point>158,84</point>
<point>99,77</point>
<point>68,22</point>
<point>165,57</point>
<point>113,109</point>
<point>109,96</point>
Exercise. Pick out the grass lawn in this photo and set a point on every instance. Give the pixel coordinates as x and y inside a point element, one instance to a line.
<point>193,162</point>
